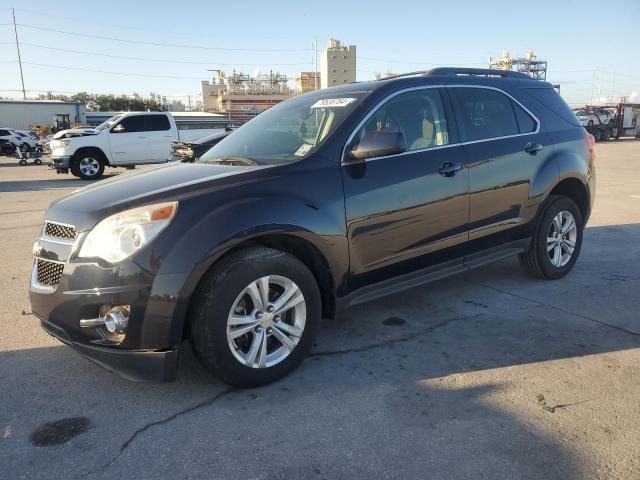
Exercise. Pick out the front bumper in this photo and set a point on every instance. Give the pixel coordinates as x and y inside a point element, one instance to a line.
<point>149,349</point>
<point>60,161</point>
<point>138,366</point>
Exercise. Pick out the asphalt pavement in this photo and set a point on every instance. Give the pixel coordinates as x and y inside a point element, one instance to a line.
<point>488,374</point>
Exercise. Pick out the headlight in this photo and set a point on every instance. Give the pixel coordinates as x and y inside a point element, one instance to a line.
<point>121,235</point>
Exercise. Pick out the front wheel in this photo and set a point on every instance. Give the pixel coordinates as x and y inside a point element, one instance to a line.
<point>255,316</point>
<point>556,242</point>
<point>88,167</point>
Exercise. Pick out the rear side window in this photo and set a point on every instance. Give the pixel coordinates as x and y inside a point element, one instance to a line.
<point>157,123</point>
<point>526,124</point>
<point>4,133</point>
<point>554,102</point>
<point>134,123</point>
<point>484,113</point>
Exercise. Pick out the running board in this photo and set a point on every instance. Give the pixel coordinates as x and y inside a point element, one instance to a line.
<point>431,274</point>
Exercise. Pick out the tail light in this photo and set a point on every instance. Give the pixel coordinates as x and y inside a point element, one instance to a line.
<point>591,145</point>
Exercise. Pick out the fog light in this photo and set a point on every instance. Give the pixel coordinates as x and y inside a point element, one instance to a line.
<point>115,320</point>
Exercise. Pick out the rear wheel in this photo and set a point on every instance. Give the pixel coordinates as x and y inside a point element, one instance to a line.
<point>254,317</point>
<point>88,166</point>
<point>556,241</point>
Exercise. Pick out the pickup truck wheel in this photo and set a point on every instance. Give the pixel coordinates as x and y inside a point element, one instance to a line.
<point>88,166</point>
<point>557,240</point>
<point>254,316</point>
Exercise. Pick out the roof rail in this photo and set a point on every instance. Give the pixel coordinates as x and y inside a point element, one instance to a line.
<point>453,71</point>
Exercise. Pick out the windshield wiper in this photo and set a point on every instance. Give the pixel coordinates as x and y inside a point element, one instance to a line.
<point>239,161</point>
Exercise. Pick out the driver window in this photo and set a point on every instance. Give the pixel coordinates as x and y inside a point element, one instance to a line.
<point>418,114</point>
<point>134,123</point>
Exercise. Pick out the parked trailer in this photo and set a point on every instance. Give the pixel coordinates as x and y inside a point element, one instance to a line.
<point>627,120</point>
<point>625,123</point>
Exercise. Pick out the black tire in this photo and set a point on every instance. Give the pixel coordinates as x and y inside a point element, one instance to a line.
<point>597,135</point>
<point>88,174</point>
<point>536,260</point>
<point>215,297</point>
<point>22,162</point>
<point>37,161</point>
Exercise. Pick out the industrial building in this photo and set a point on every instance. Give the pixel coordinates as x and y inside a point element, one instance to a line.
<point>337,64</point>
<point>307,82</point>
<point>528,64</point>
<point>24,114</point>
<point>241,97</point>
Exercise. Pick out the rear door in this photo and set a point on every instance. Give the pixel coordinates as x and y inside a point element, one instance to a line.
<point>406,211</point>
<point>160,136</point>
<point>504,150</point>
<point>128,141</point>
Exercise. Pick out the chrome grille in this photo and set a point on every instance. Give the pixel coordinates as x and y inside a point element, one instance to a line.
<point>58,230</point>
<point>48,273</point>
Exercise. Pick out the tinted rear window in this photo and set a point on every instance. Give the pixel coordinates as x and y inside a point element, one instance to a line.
<point>484,113</point>
<point>4,133</point>
<point>157,123</point>
<point>525,122</point>
<point>554,102</point>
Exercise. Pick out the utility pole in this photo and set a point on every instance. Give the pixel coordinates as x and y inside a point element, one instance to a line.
<point>15,29</point>
<point>315,76</point>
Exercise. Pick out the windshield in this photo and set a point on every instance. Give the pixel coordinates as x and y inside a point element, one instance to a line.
<point>108,123</point>
<point>287,132</point>
<point>582,113</point>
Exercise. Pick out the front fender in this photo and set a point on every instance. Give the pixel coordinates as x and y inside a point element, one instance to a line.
<point>202,235</point>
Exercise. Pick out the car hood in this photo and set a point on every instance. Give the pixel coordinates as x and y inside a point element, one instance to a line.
<point>85,207</point>
<point>75,132</point>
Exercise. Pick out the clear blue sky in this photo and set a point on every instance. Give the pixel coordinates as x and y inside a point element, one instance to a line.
<point>576,37</point>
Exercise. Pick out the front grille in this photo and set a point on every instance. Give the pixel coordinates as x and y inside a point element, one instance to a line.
<point>48,273</point>
<point>59,231</point>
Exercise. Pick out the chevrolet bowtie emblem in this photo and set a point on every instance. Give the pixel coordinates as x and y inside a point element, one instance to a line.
<point>37,249</point>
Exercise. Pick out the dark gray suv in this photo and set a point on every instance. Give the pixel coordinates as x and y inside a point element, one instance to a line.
<point>326,200</point>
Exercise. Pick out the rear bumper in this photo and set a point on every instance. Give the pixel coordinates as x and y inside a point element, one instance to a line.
<point>138,366</point>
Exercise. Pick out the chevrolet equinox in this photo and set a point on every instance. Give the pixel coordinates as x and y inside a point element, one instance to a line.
<point>326,200</point>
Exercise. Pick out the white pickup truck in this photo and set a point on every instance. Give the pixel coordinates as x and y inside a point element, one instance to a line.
<point>124,140</point>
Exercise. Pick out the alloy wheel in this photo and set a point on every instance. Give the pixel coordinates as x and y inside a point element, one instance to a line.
<point>89,166</point>
<point>266,321</point>
<point>561,239</point>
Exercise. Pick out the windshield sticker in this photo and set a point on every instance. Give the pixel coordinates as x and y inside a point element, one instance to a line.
<point>333,102</point>
<point>302,151</point>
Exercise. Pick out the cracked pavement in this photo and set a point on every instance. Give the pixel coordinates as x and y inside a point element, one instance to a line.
<point>453,392</point>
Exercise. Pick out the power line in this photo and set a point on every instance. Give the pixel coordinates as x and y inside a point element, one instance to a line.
<point>126,74</point>
<point>127,27</point>
<point>83,52</point>
<point>172,45</point>
<point>388,60</point>
<point>112,72</point>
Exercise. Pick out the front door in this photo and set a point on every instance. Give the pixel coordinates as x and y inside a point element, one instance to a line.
<point>504,149</point>
<point>128,141</point>
<point>407,211</point>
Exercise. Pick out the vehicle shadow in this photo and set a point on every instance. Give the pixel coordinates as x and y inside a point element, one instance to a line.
<point>56,183</point>
<point>439,382</point>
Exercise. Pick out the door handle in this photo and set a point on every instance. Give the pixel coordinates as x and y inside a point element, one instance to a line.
<point>449,169</point>
<point>142,137</point>
<point>532,148</point>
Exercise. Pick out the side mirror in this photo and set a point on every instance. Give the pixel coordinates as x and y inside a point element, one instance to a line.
<point>378,144</point>
<point>118,128</point>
